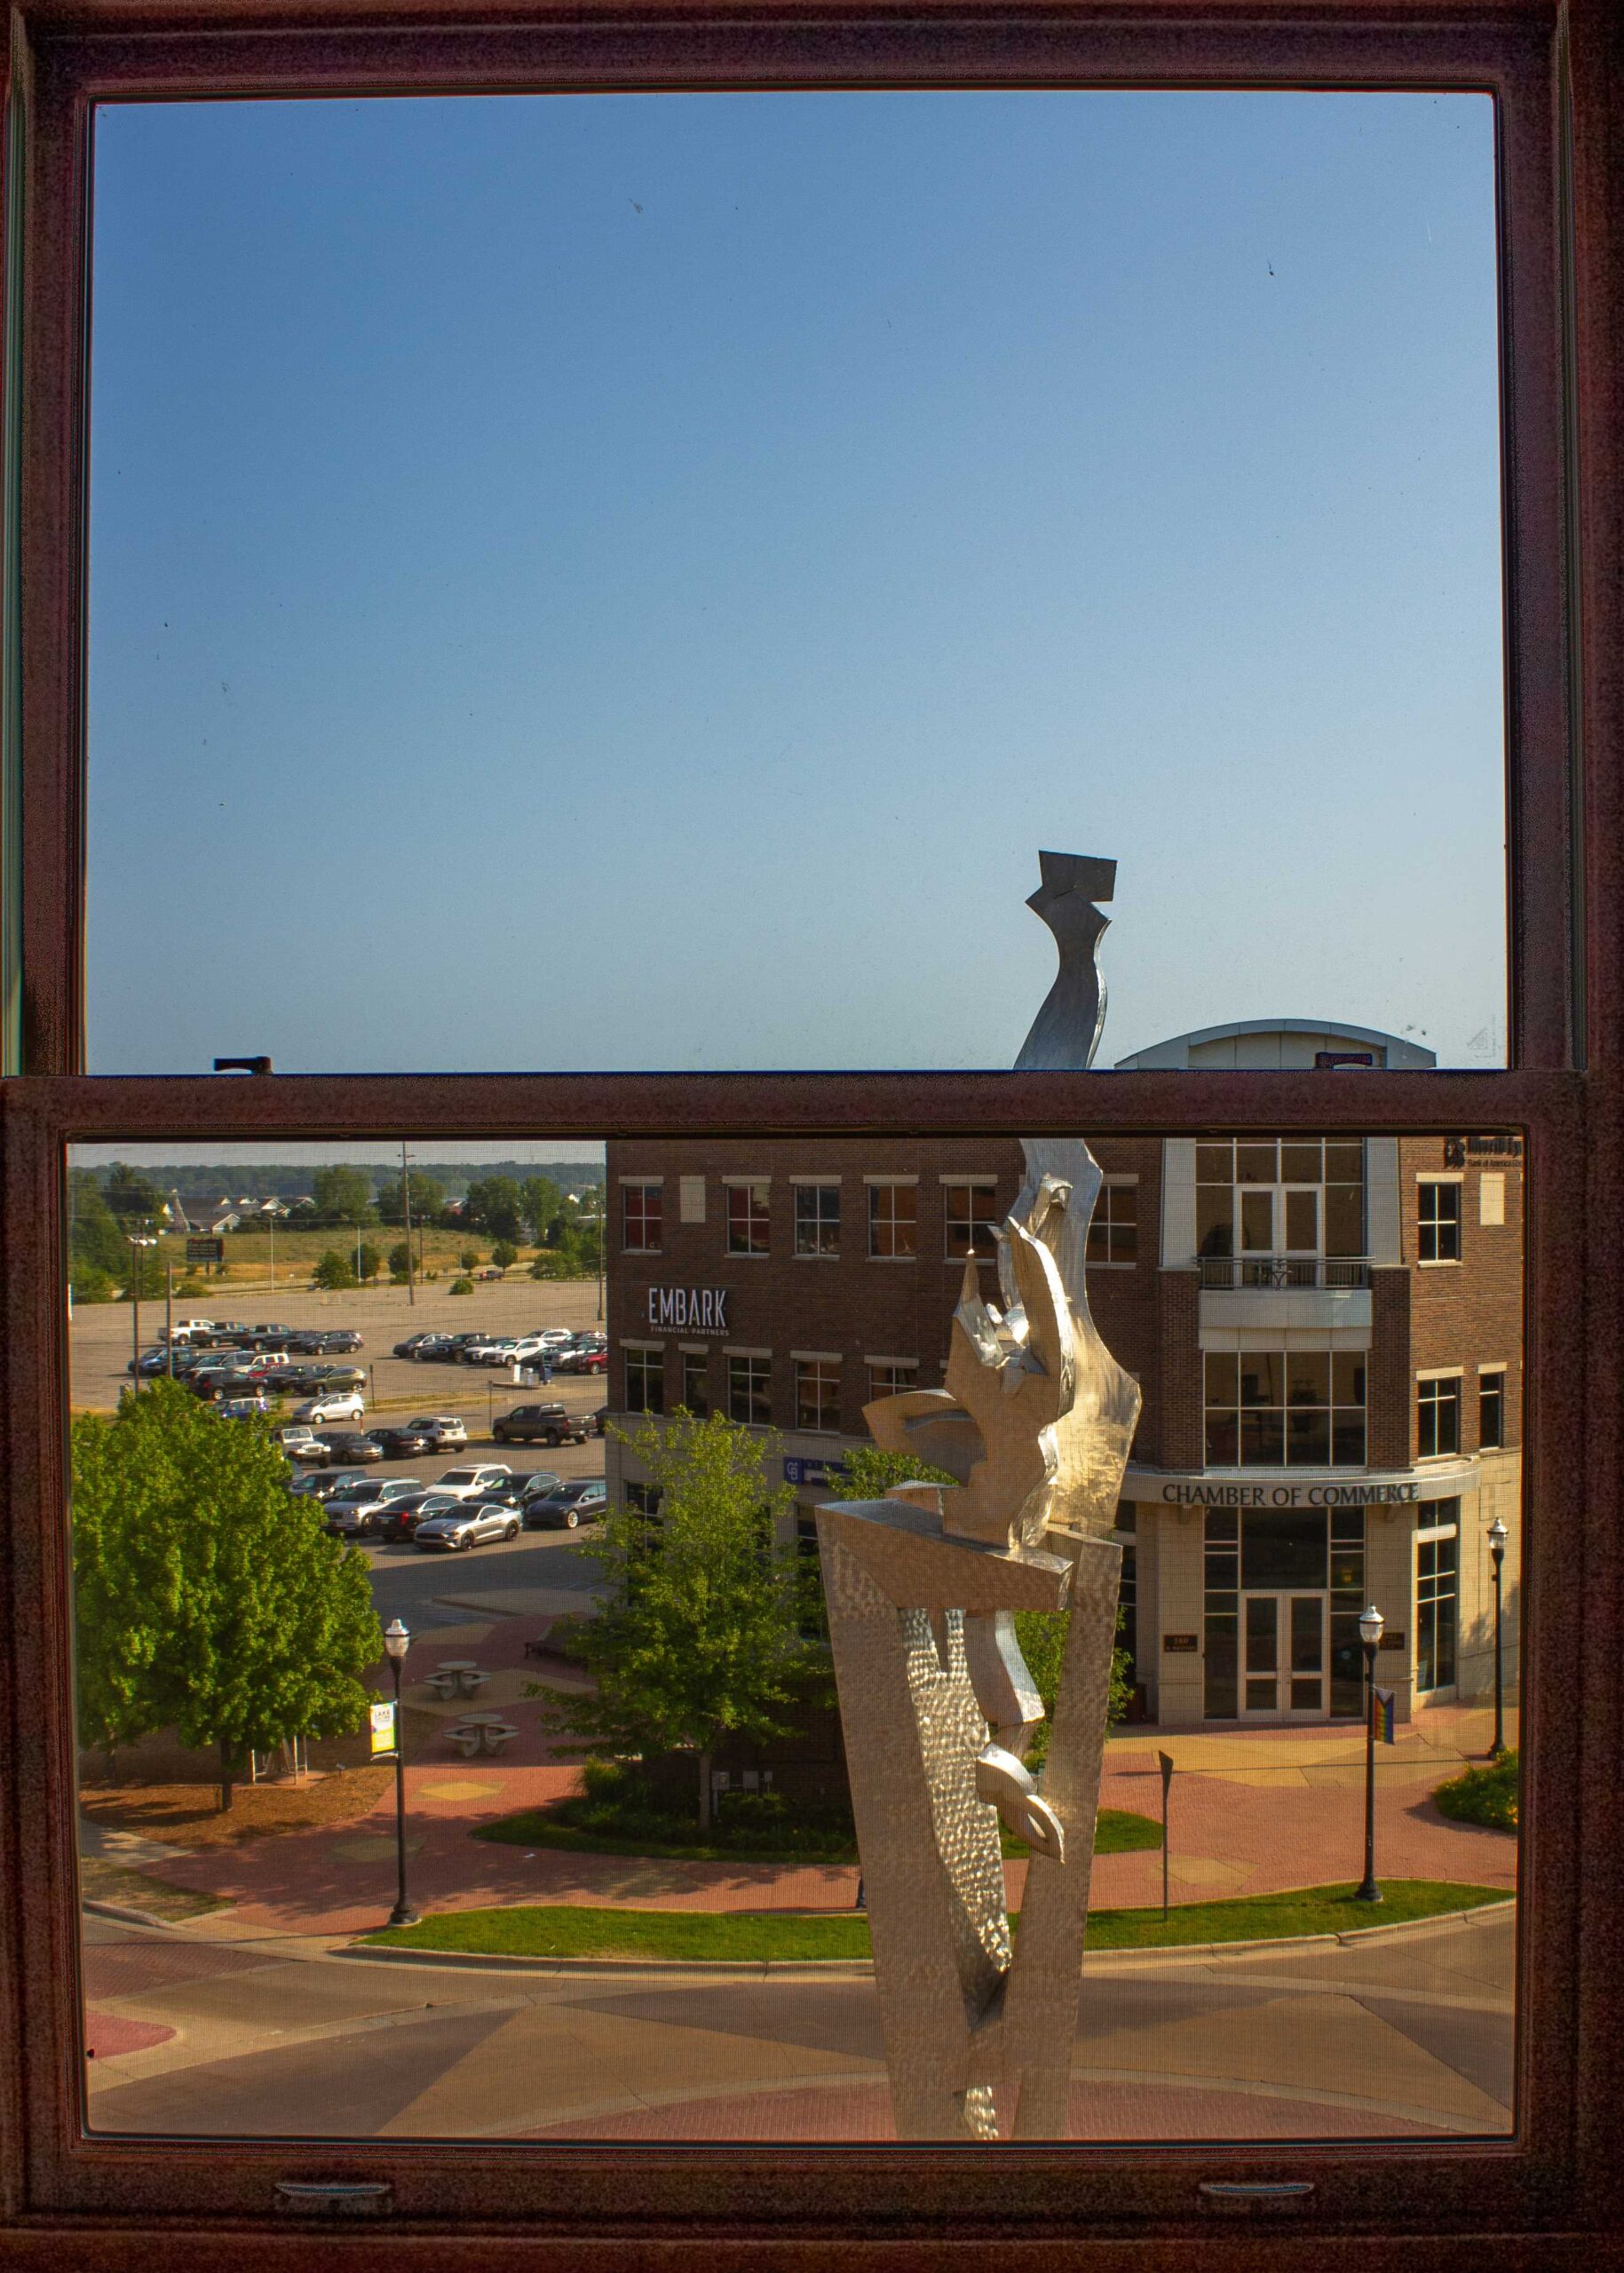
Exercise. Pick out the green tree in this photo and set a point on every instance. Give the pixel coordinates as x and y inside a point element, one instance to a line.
<point>399,1262</point>
<point>207,1600</point>
<point>343,1195</point>
<point>371,1261</point>
<point>90,1285</point>
<point>470,1258</point>
<point>702,1634</point>
<point>505,1252</point>
<point>333,1271</point>
<point>95,1240</point>
<point>428,1198</point>
<point>133,1198</point>
<point>493,1206</point>
<point>538,1200</point>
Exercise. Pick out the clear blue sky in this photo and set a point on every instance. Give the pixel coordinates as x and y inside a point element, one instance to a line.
<point>633,582</point>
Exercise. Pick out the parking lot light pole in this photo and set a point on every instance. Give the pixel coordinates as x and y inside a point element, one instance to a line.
<point>1371,1622</point>
<point>1497,1536</point>
<point>136,1240</point>
<point>397,1642</point>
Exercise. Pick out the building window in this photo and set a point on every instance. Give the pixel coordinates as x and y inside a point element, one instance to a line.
<point>1437,1415</point>
<point>696,1383</point>
<point>816,1219</point>
<point>1114,1231</point>
<point>1436,1599</point>
<point>644,1380</point>
<point>1278,1200</point>
<point>644,1498</point>
<point>893,1221</point>
<point>817,1393</point>
<point>1491,1410</point>
<point>1275,1408</point>
<point>749,1394</point>
<point>891,1377</point>
<point>970,1213</point>
<point>1128,1593</point>
<point>1438,1237</point>
<point>1221,1696</point>
<point>746,1218</point>
<point>640,1218</point>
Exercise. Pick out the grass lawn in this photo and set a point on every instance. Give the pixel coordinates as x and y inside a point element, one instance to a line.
<point>1117,1831</point>
<point>755,1936</point>
<point>100,1880</point>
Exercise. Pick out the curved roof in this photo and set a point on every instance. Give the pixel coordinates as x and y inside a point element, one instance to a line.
<point>1280,1042</point>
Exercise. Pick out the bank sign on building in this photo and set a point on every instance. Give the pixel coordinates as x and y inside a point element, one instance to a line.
<point>1327,1332</point>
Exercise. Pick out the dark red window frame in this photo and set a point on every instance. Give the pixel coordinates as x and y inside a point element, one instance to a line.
<point>1550,2195</point>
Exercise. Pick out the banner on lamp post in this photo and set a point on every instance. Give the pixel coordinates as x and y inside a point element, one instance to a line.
<point>385,1739</point>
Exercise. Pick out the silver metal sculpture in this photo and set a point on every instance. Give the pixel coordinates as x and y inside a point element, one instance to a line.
<point>1035,1420</point>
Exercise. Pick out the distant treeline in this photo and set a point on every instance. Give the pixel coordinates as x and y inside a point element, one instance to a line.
<point>274,1180</point>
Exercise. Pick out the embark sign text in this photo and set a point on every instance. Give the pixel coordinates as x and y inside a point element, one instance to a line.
<point>688,1310</point>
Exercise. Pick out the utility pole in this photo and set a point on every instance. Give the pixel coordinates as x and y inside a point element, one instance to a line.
<point>406,1209</point>
<point>168,1314</point>
<point>271,1220</point>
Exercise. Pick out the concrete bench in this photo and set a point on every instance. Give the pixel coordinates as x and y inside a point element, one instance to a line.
<point>488,1733</point>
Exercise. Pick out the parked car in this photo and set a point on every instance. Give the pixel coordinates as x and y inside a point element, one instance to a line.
<point>307,1451</point>
<point>349,1445</point>
<point>412,1347</point>
<point>430,1346</point>
<point>496,1349</point>
<point>338,1404</point>
<point>323,1487</point>
<point>150,1361</point>
<point>470,1526</point>
<point>241,1408</point>
<point>360,1508</point>
<point>402,1444</point>
<point>568,1505</point>
<point>590,1359</point>
<point>472,1483</point>
<point>342,1376</point>
<point>268,1333</point>
<point>539,1480</point>
<point>399,1518</point>
<point>539,1424</point>
<point>491,1270</point>
<point>529,1349</point>
<point>448,1431</point>
<point>600,1420</point>
<point>456,1344</point>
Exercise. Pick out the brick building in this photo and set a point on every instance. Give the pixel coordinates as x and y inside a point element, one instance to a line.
<point>1326,1331</point>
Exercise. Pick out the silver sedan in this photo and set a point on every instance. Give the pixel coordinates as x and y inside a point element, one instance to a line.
<point>470,1525</point>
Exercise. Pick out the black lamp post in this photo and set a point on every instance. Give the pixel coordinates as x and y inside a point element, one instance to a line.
<point>397,1642</point>
<point>138,1242</point>
<point>1497,1536</point>
<point>1371,1622</point>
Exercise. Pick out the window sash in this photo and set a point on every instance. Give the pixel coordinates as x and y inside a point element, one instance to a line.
<point>1554,145</point>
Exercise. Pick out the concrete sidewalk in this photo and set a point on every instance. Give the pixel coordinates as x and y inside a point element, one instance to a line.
<point>1252,1812</point>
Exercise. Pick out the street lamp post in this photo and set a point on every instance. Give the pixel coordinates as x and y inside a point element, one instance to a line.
<point>1371,1622</point>
<point>1497,1536</point>
<point>137,1239</point>
<point>397,1642</point>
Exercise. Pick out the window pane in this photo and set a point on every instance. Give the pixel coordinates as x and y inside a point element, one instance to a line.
<point>601,448</point>
<point>1278,1482</point>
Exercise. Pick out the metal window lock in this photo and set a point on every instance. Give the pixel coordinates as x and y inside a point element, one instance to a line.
<point>242,1066</point>
<point>1232,2198</point>
<point>335,2198</point>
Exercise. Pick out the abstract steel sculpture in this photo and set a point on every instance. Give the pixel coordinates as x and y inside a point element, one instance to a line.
<point>1034,1421</point>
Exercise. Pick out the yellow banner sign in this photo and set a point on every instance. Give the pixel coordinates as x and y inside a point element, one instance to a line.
<point>382,1728</point>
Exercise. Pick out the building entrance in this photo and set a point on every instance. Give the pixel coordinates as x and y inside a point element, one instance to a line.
<point>1283,1656</point>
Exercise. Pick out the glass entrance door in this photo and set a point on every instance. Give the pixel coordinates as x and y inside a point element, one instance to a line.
<point>1283,1656</point>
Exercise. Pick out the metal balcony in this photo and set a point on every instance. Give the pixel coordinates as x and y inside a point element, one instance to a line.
<point>1241,1273</point>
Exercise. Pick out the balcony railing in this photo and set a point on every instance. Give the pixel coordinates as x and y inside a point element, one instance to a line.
<point>1233,1273</point>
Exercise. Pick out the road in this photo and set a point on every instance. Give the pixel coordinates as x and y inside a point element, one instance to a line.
<point>1407,2034</point>
<point>413,1585</point>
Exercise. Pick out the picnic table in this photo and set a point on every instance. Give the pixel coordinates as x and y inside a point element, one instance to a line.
<point>456,1677</point>
<point>481,1732</point>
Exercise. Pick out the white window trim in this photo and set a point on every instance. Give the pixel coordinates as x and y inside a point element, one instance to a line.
<point>1437,1531</point>
<point>742,1178</point>
<point>731,1349</point>
<point>1440,1374</point>
<point>628,1344</point>
<point>1440,1175</point>
<point>640,1179</point>
<point>819,1357</point>
<point>1498,1366</point>
<point>1123,1176</point>
<point>868,1360</point>
<point>823,1181</point>
<point>688,1349</point>
<point>979,1183</point>
<point>907,1179</point>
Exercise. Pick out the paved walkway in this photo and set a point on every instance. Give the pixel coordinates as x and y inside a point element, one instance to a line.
<point>1252,1812</point>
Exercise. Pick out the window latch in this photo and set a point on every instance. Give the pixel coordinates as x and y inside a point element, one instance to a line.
<point>335,2198</point>
<point>1251,2196</point>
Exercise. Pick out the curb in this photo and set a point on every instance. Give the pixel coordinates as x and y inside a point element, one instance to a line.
<point>121,1916</point>
<point>828,1968</point>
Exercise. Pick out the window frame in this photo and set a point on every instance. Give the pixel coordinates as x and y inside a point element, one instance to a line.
<point>1557,79</point>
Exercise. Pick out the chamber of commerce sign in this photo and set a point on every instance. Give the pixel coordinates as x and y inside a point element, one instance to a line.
<point>688,1310</point>
<point>1290,1495</point>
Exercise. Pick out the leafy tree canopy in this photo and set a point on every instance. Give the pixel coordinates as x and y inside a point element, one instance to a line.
<point>493,1205</point>
<point>334,1270</point>
<point>428,1198</point>
<point>133,1198</point>
<point>209,1600</point>
<point>343,1195</point>
<point>704,1632</point>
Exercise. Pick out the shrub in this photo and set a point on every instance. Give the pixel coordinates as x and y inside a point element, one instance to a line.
<point>460,1286</point>
<point>505,1252</point>
<point>1485,1796</point>
<point>470,1258</point>
<point>90,1285</point>
<point>333,1271</point>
